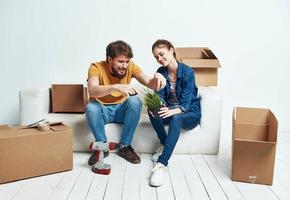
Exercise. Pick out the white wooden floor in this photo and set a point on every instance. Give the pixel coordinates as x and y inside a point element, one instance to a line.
<point>188,177</point>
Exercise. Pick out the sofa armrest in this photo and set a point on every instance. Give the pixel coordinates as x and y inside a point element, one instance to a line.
<point>211,109</point>
<point>34,105</point>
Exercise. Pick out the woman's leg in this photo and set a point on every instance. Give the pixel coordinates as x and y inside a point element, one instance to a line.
<point>176,122</point>
<point>158,126</point>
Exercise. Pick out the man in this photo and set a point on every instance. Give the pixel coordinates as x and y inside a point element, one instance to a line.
<point>112,97</point>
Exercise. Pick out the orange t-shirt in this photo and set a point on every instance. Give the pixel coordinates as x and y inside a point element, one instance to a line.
<point>100,70</point>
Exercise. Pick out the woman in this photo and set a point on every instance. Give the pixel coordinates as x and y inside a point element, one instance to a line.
<point>181,109</point>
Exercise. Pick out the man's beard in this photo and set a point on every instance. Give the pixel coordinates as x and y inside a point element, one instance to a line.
<point>116,74</point>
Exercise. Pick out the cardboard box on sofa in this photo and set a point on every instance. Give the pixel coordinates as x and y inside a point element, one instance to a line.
<point>68,98</point>
<point>29,152</point>
<point>203,61</point>
<point>254,140</point>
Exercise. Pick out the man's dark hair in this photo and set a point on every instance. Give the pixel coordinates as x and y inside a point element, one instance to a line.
<point>117,48</point>
<point>164,43</point>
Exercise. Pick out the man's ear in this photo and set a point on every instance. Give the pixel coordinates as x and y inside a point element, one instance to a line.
<point>109,59</point>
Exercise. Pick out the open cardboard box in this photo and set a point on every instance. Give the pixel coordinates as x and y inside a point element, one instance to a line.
<point>29,152</point>
<point>203,61</point>
<point>254,140</point>
<point>68,98</point>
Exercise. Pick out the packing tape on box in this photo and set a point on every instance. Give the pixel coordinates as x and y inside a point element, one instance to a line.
<point>43,127</point>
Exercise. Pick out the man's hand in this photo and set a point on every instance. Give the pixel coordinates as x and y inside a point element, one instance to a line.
<point>158,81</point>
<point>166,112</point>
<point>126,90</point>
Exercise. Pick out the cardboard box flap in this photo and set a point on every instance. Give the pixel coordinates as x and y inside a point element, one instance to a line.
<point>273,127</point>
<point>255,142</point>
<point>251,115</point>
<point>209,53</point>
<point>201,63</point>
<point>252,132</point>
<point>59,127</point>
<point>194,52</point>
<point>19,131</point>
<point>68,97</point>
<point>191,52</point>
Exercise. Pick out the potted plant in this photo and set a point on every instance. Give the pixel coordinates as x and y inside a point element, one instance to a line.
<point>152,101</point>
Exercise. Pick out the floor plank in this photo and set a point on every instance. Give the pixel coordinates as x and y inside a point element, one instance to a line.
<point>115,185</point>
<point>178,180</point>
<point>212,186</point>
<point>222,174</point>
<point>99,184</point>
<point>10,190</point>
<point>39,187</point>
<point>146,191</point>
<point>66,184</point>
<point>194,183</point>
<point>131,186</point>
<point>255,191</point>
<point>83,183</point>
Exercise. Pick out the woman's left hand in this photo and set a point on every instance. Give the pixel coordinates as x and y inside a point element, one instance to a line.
<point>166,112</point>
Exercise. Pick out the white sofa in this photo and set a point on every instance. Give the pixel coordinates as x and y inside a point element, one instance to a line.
<point>204,139</point>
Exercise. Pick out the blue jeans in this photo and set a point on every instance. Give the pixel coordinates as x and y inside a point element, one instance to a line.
<point>126,113</point>
<point>185,121</point>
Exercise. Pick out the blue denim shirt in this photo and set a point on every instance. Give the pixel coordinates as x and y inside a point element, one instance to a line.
<point>186,90</point>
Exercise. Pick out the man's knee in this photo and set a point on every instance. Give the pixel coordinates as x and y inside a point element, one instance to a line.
<point>93,109</point>
<point>134,103</point>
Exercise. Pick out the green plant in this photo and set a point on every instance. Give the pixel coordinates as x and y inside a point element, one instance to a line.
<point>151,100</point>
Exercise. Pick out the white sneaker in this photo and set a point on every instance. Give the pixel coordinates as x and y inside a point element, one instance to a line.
<point>157,176</point>
<point>157,153</point>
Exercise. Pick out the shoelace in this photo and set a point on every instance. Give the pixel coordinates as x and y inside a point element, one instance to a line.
<point>157,166</point>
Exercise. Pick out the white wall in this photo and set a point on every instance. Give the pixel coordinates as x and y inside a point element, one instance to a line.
<point>44,42</point>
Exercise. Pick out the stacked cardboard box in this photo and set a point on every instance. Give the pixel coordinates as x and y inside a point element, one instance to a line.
<point>68,98</point>
<point>254,140</point>
<point>29,152</point>
<point>204,63</point>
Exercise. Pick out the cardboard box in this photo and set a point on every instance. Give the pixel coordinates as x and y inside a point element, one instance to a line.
<point>204,63</point>
<point>29,152</point>
<point>254,140</point>
<point>67,98</point>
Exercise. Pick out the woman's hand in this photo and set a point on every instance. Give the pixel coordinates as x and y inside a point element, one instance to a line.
<point>166,112</point>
